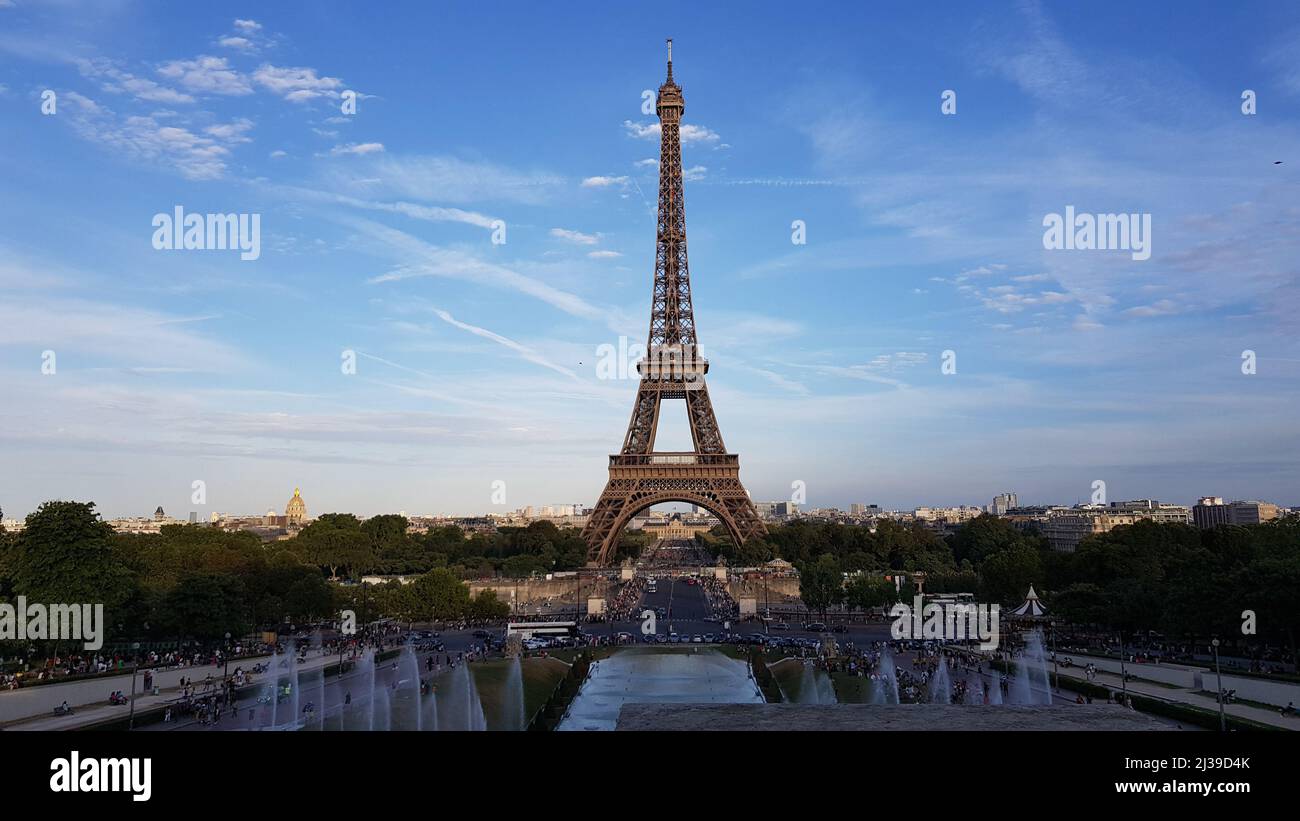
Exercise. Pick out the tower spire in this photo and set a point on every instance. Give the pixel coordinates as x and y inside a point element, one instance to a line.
<point>670,59</point>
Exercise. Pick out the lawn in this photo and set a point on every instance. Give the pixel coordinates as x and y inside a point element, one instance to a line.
<point>540,677</point>
<point>789,676</point>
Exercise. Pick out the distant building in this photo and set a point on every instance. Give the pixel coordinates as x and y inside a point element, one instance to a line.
<point>158,514</point>
<point>1212,511</point>
<point>1002,503</point>
<point>677,527</point>
<point>475,524</point>
<point>295,513</point>
<point>1066,527</point>
<point>864,510</point>
<point>1064,531</point>
<point>948,515</point>
<point>776,510</point>
<point>1153,510</point>
<point>1251,512</point>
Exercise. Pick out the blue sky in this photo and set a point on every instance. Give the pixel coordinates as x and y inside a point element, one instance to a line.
<point>477,361</point>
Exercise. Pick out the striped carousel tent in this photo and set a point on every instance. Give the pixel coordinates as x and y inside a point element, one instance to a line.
<point>1031,609</point>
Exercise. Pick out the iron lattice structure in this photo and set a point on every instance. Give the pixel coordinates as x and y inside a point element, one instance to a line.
<point>673,368</point>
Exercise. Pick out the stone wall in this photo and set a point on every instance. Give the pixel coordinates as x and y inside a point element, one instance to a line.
<point>882,717</point>
<point>781,590</point>
<point>560,591</point>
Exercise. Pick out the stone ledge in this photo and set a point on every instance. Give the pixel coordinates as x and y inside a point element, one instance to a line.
<point>888,717</point>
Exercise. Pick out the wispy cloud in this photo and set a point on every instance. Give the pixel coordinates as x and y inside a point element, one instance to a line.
<point>689,132</point>
<point>206,75</point>
<point>603,182</point>
<point>421,259</point>
<point>199,156</point>
<point>298,84</point>
<point>523,351</point>
<point>574,236</point>
<point>357,148</point>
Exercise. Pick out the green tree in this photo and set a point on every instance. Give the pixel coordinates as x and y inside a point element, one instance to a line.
<point>336,541</point>
<point>311,598</point>
<point>1006,575</point>
<point>864,591</point>
<point>821,584</point>
<point>985,535</point>
<point>521,566</point>
<point>438,596</point>
<point>204,606</point>
<point>65,554</point>
<point>1081,603</point>
<point>487,606</point>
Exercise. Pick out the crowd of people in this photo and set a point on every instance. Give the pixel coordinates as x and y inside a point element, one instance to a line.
<point>722,607</point>
<point>78,666</point>
<point>1140,649</point>
<point>626,604</point>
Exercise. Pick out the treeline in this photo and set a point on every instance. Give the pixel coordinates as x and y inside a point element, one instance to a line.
<point>187,582</point>
<point>1175,579</point>
<point>347,547</point>
<point>197,582</point>
<point>191,582</point>
<point>894,545</point>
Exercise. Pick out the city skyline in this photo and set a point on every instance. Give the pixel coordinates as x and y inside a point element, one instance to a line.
<point>537,508</point>
<point>478,362</point>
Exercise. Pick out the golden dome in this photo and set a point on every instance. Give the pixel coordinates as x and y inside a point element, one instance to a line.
<point>296,510</point>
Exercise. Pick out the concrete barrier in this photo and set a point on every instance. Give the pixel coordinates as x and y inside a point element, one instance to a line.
<point>40,699</point>
<point>1277,693</point>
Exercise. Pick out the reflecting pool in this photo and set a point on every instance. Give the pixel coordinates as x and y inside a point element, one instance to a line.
<point>658,675</point>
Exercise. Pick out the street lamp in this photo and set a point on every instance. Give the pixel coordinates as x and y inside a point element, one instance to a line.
<point>767,601</point>
<point>577,601</point>
<point>1223,722</point>
<point>1056,671</point>
<point>130,724</point>
<point>1123,675</point>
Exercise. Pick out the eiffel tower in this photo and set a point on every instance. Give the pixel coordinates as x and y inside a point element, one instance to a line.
<point>640,476</point>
